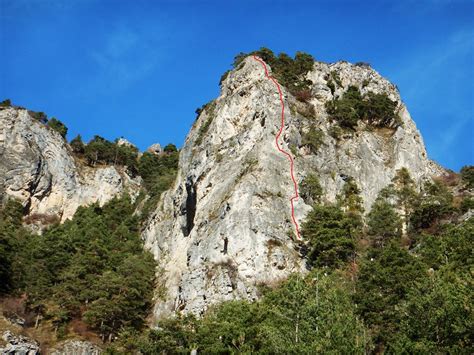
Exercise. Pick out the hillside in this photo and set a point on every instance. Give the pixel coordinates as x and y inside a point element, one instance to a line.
<point>105,248</point>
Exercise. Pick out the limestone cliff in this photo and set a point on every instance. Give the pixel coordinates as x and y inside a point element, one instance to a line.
<point>38,168</point>
<point>225,226</point>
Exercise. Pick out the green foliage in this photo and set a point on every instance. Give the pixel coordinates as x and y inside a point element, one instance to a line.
<point>311,189</point>
<point>467,175</point>
<point>467,204</point>
<point>335,77</point>
<point>158,173</point>
<point>350,199</point>
<point>10,232</point>
<point>434,203</point>
<point>379,111</point>
<point>439,316</point>
<point>375,109</point>
<point>209,109</point>
<point>6,103</point>
<point>450,249</point>
<point>310,316</point>
<point>347,111</point>
<point>58,126</point>
<point>170,148</point>
<point>330,235</point>
<point>40,116</point>
<point>303,315</point>
<point>383,222</point>
<point>77,145</point>
<point>288,71</point>
<point>313,139</point>
<point>224,76</point>
<point>92,267</point>
<point>100,150</point>
<point>384,280</point>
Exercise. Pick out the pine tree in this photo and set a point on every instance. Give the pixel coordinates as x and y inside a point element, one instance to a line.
<point>331,236</point>
<point>77,145</point>
<point>383,223</point>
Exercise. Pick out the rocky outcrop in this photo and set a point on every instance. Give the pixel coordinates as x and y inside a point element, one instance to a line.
<point>155,149</point>
<point>38,168</point>
<point>76,347</point>
<point>225,227</point>
<point>18,345</point>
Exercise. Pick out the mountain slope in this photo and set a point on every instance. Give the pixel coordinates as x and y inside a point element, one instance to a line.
<point>38,168</point>
<point>225,226</point>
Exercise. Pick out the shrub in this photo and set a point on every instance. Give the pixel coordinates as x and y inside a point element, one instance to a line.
<point>77,145</point>
<point>303,95</point>
<point>311,189</point>
<point>40,116</point>
<point>6,103</point>
<point>347,110</point>
<point>289,71</point>
<point>379,111</point>
<point>336,78</point>
<point>58,126</point>
<point>362,64</point>
<point>313,139</point>
<point>170,148</point>
<point>467,175</point>
<point>205,126</point>
<point>375,109</point>
<point>350,199</point>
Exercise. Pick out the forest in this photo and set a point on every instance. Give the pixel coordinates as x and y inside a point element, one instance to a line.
<point>398,281</point>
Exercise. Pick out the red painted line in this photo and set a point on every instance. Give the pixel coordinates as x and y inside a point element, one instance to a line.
<point>295,197</point>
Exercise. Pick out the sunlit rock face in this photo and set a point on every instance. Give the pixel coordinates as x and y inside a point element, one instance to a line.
<point>37,167</point>
<point>225,227</point>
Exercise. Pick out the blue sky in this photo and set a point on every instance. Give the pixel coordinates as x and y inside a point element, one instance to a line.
<point>140,68</point>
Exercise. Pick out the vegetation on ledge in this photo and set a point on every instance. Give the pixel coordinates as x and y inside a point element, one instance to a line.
<point>377,110</point>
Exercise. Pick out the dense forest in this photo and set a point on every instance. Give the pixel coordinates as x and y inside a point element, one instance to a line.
<point>400,282</point>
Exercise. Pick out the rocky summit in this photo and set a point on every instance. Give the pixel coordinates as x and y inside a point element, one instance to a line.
<point>225,226</point>
<point>38,168</point>
<point>106,248</point>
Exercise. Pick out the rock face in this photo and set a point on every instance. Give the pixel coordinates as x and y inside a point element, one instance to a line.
<point>38,168</point>
<point>224,228</point>
<point>19,345</point>
<point>155,149</point>
<point>76,347</point>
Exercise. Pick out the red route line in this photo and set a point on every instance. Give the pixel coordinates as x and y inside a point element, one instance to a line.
<point>295,197</point>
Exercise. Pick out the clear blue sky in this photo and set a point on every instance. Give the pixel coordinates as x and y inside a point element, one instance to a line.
<point>140,68</point>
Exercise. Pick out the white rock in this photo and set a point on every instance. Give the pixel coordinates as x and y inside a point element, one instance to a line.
<point>224,226</point>
<point>38,168</point>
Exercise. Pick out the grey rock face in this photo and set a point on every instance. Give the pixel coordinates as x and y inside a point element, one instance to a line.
<point>123,141</point>
<point>76,347</point>
<point>155,149</point>
<point>38,168</point>
<point>18,345</point>
<point>225,226</point>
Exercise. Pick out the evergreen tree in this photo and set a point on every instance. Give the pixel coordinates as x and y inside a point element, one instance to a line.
<point>350,200</point>
<point>385,278</point>
<point>311,189</point>
<point>77,145</point>
<point>58,126</point>
<point>383,223</point>
<point>331,236</point>
<point>405,192</point>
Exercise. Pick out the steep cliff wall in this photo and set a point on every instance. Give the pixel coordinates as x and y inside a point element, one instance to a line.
<point>38,168</point>
<point>225,227</point>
